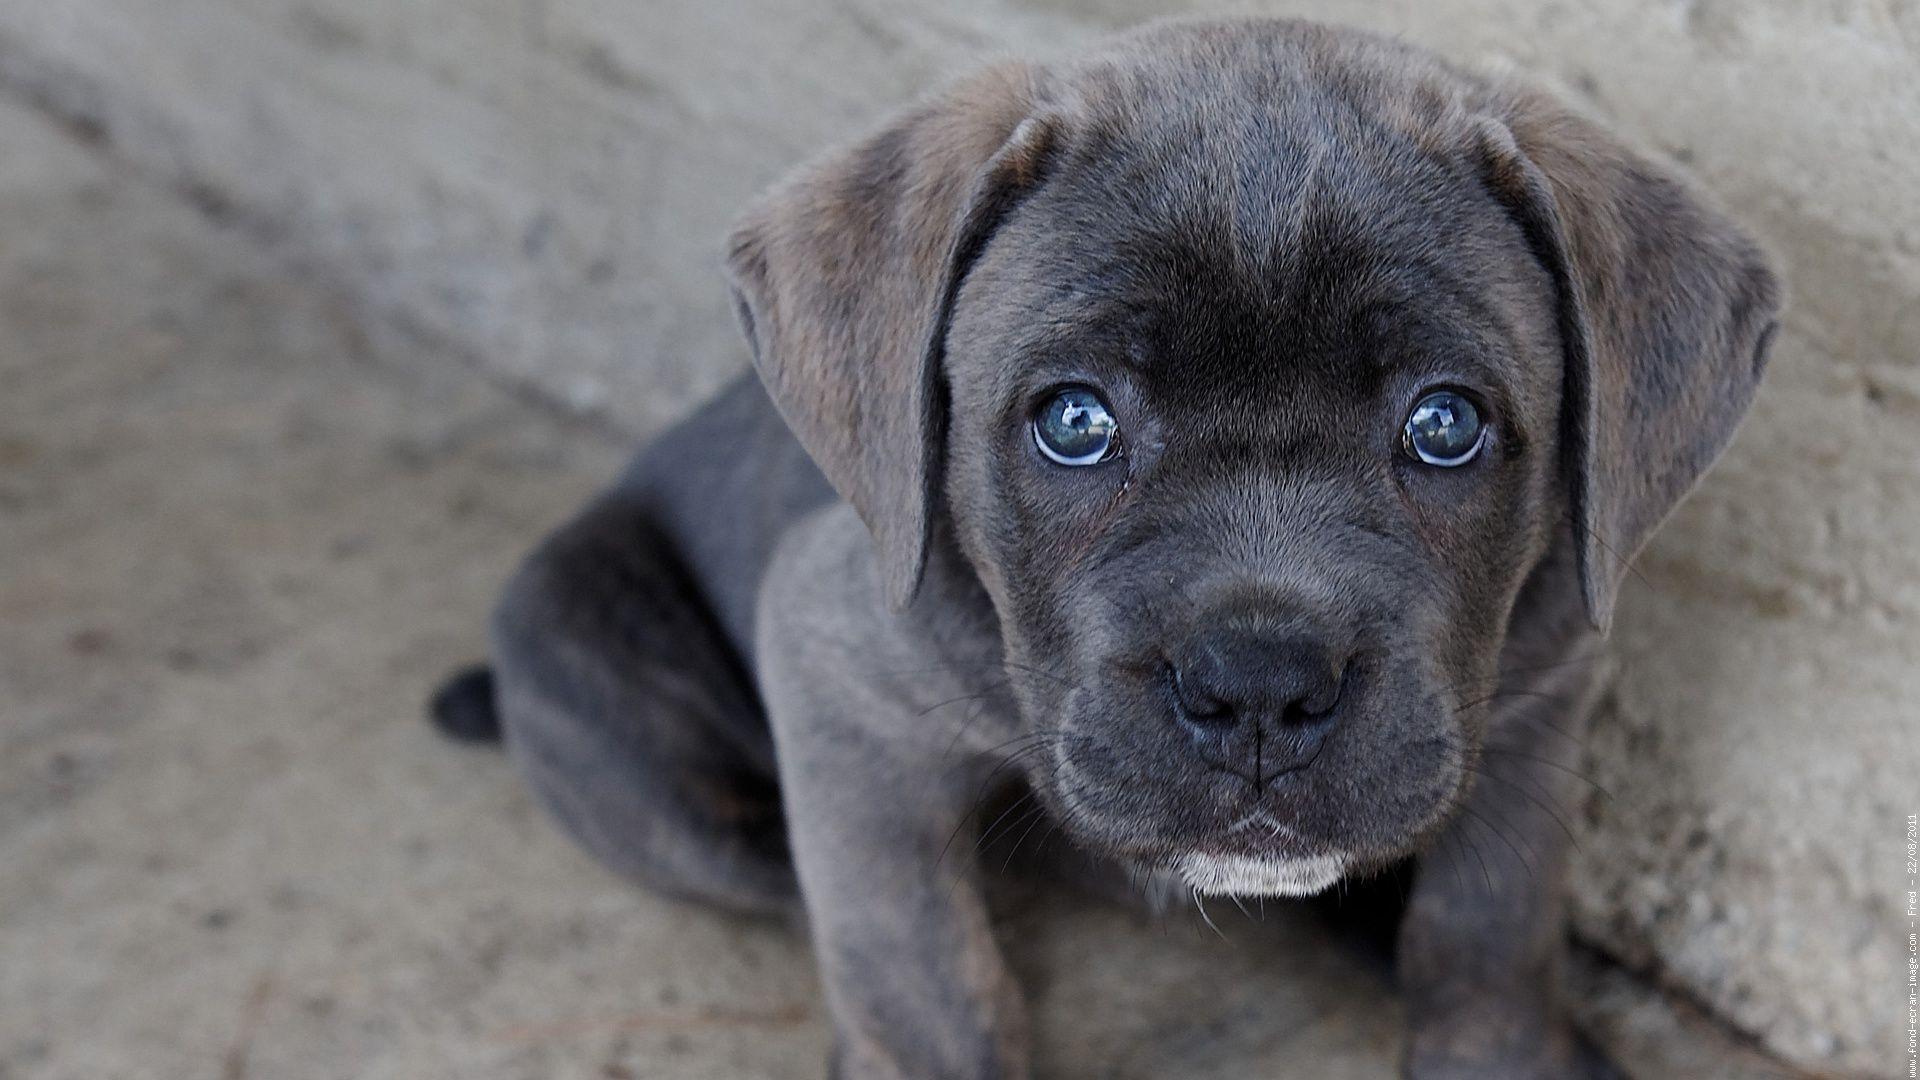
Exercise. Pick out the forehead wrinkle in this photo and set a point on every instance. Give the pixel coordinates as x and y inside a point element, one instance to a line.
<point>1118,297</point>
<point>1266,212</point>
<point>1432,257</point>
<point>1147,213</point>
<point>1469,291</point>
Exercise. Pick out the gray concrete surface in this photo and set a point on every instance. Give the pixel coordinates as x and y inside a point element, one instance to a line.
<point>244,530</point>
<point>536,188</point>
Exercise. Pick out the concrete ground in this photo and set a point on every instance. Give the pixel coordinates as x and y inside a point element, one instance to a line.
<point>543,186</point>
<point>239,541</point>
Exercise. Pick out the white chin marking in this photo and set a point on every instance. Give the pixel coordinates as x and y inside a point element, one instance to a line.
<point>1245,875</point>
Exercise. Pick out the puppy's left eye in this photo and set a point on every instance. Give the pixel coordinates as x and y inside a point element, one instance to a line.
<point>1443,429</point>
<point>1075,427</point>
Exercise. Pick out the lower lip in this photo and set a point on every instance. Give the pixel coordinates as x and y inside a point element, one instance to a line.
<point>1254,875</point>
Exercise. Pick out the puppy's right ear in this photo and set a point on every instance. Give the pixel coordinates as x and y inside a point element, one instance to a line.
<point>844,277</point>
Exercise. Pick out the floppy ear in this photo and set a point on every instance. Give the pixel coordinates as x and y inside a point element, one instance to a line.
<point>844,276</point>
<point>1666,312</point>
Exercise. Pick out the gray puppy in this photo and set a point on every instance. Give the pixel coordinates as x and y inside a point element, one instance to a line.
<point>1250,421</point>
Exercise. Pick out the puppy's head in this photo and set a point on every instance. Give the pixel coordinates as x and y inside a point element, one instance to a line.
<point>1253,367</point>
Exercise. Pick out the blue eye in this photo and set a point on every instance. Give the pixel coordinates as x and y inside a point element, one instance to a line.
<point>1075,427</point>
<point>1443,429</point>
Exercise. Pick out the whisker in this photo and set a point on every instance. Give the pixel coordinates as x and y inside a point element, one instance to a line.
<point>975,696</point>
<point>1591,656</point>
<point>1502,837</point>
<point>1208,919</point>
<point>1024,805</point>
<point>1552,810</point>
<point>1492,748</point>
<point>1039,815</point>
<point>1477,857</point>
<point>975,665</point>
<point>979,800</point>
<point>971,814</point>
<point>974,713</point>
<point>1524,717</point>
<point>1460,856</point>
<point>1625,563</point>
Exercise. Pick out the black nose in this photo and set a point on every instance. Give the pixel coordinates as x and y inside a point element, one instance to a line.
<point>1232,684</point>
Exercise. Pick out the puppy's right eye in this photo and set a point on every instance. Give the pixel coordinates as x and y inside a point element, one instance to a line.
<point>1443,429</point>
<point>1075,427</point>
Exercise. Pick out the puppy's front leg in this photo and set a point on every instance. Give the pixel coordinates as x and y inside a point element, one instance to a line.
<point>916,983</point>
<point>1483,940</point>
<point>880,786</point>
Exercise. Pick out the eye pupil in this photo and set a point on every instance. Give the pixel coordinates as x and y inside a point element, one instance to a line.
<point>1075,427</point>
<point>1443,429</point>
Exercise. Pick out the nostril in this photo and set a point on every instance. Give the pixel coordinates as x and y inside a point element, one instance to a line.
<point>1318,703</point>
<point>1195,703</point>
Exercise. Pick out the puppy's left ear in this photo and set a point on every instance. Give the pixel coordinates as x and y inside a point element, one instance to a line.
<point>844,277</point>
<point>1666,312</point>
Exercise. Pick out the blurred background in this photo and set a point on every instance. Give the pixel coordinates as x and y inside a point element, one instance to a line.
<point>315,314</point>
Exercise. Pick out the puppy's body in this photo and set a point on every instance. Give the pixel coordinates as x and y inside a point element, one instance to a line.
<point>1253,645</point>
<point>624,651</point>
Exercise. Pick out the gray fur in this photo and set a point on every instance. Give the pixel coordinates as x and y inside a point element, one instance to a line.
<point>1261,240</point>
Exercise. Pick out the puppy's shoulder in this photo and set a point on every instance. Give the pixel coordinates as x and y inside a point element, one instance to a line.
<point>827,644</point>
<point>821,590</point>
